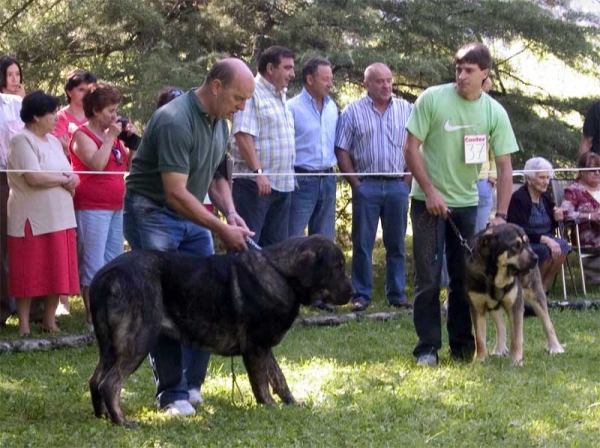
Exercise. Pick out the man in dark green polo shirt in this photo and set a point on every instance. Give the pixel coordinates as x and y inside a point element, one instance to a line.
<point>180,159</point>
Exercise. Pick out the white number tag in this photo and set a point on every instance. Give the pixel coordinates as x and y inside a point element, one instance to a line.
<point>476,149</point>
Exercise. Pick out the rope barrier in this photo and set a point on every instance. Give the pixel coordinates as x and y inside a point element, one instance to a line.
<point>336,174</point>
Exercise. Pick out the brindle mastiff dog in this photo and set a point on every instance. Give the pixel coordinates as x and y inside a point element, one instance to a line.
<point>235,304</point>
<point>502,272</point>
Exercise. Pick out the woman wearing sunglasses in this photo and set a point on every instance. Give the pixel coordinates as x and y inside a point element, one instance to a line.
<point>95,147</point>
<point>582,202</point>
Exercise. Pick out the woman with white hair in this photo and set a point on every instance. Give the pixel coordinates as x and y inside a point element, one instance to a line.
<point>532,208</point>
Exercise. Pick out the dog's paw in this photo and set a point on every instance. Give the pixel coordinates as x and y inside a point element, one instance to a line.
<point>555,349</point>
<point>517,362</point>
<point>500,351</point>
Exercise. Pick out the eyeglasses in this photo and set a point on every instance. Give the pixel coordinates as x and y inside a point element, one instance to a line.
<point>117,153</point>
<point>177,93</point>
<point>596,171</point>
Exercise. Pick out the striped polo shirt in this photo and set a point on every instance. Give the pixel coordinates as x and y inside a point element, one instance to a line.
<point>268,119</point>
<point>375,142</point>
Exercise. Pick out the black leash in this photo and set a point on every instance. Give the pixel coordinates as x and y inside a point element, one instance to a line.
<point>463,241</point>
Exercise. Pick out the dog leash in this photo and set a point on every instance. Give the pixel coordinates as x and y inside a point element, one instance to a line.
<point>463,241</point>
<point>252,244</point>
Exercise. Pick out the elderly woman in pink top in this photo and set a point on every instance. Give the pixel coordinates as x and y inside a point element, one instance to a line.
<point>41,218</point>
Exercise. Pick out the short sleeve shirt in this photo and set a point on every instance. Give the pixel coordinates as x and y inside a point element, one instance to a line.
<point>181,137</point>
<point>374,141</point>
<point>441,119</point>
<point>47,209</point>
<point>267,118</point>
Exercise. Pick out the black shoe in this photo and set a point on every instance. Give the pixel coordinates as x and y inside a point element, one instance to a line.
<point>324,307</point>
<point>402,305</point>
<point>464,355</point>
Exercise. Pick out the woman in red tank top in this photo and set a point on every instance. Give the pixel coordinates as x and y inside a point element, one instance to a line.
<point>98,201</point>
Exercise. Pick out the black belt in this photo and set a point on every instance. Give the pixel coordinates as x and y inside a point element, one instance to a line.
<point>363,178</point>
<point>298,169</point>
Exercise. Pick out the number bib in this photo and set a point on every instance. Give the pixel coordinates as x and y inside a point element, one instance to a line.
<point>476,149</point>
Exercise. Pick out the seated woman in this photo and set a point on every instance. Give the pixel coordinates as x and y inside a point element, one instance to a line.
<point>582,202</point>
<point>532,208</point>
<point>41,217</point>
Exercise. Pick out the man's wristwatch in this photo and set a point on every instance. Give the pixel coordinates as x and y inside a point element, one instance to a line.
<point>504,216</point>
<point>258,171</point>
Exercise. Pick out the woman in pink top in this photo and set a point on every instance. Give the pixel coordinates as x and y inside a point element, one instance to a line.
<point>72,116</point>
<point>95,147</point>
<point>69,119</point>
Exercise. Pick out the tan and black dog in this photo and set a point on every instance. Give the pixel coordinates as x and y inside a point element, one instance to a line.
<point>235,304</point>
<point>502,272</point>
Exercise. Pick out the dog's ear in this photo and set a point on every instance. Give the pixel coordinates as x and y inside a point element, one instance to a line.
<point>484,242</point>
<point>306,266</point>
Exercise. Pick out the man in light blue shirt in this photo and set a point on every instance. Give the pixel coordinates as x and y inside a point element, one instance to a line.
<point>315,118</point>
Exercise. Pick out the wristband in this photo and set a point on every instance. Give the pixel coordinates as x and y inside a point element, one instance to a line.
<point>231,212</point>
<point>504,216</point>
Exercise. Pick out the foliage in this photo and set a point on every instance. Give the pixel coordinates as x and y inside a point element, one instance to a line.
<point>142,45</point>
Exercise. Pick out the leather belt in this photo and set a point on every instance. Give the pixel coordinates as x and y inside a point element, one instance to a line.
<point>298,169</point>
<point>389,178</point>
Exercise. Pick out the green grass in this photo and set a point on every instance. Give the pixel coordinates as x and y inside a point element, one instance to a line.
<point>360,386</point>
<point>358,381</point>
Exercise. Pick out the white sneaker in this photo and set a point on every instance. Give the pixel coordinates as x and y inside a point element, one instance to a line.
<point>195,397</point>
<point>179,408</point>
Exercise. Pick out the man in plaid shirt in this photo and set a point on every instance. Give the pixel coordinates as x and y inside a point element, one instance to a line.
<point>262,143</point>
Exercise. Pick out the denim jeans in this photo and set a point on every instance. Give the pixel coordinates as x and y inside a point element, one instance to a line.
<point>373,199</point>
<point>313,204</point>
<point>99,240</point>
<point>267,216</point>
<point>148,225</point>
<point>486,202</point>
<point>430,234</point>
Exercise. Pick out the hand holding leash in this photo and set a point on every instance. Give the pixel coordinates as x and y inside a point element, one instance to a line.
<point>234,238</point>
<point>436,205</point>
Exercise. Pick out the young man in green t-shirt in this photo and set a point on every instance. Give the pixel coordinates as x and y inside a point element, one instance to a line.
<point>449,132</point>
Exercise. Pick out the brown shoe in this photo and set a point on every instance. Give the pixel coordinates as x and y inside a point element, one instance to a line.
<point>359,305</point>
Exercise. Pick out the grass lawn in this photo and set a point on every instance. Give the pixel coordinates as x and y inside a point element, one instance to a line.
<point>360,386</point>
<point>358,381</point>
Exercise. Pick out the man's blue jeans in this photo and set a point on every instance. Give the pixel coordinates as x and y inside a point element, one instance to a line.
<point>373,199</point>
<point>486,202</point>
<point>430,234</point>
<point>150,226</point>
<point>313,204</point>
<point>267,216</point>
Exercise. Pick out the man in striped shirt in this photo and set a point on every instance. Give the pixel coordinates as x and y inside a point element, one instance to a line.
<point>262,142</point>
<point>369,139</point>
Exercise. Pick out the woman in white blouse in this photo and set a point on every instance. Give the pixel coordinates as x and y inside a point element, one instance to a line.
<point>41,219</point>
